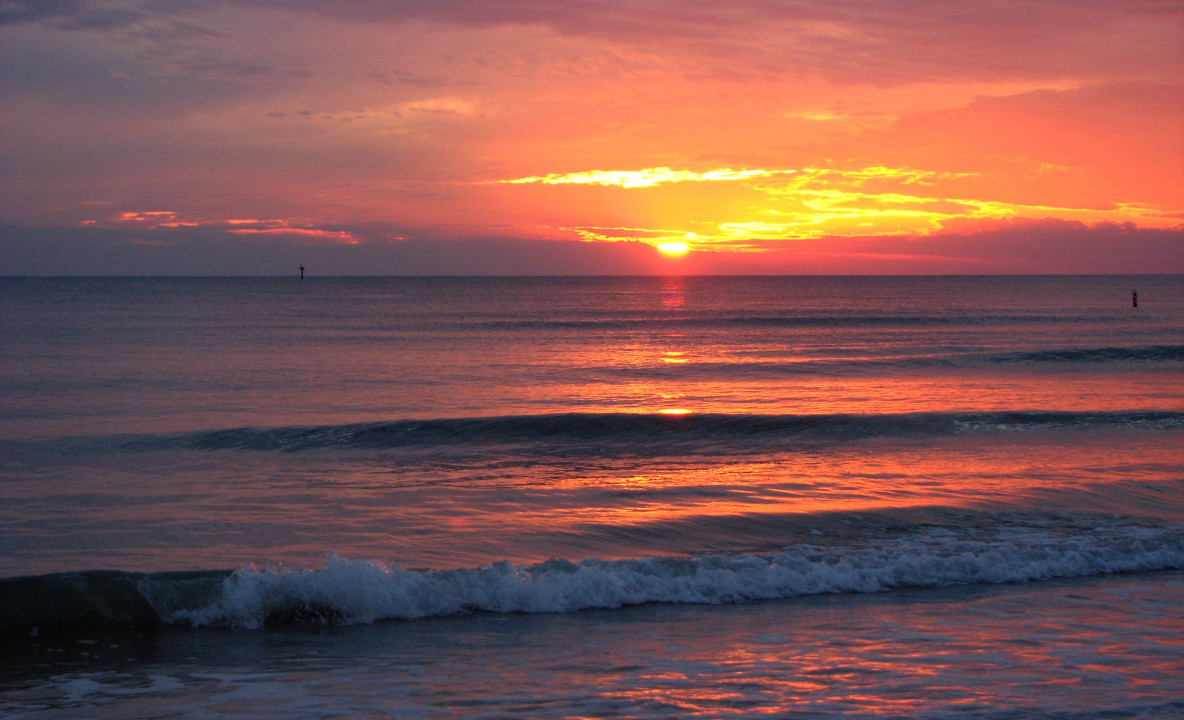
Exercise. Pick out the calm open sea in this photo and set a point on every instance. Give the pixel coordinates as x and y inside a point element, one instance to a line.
<point>592,497</point>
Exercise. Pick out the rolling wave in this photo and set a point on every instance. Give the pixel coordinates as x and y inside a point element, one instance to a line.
<point>1147,353</point>
<point>352,592</point>
<point>636,431</point>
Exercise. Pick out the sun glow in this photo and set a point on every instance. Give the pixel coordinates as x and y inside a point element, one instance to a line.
<point>762,210</point>
<point>673,248</point>
<point>647,178</point>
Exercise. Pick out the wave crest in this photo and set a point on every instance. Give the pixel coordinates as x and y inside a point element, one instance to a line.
<point>358,592</point>
<point>352,592</point>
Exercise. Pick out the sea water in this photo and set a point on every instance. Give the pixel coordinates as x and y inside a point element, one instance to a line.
<point>592,497</point>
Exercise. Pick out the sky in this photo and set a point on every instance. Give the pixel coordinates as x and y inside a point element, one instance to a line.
<point>376,137</point>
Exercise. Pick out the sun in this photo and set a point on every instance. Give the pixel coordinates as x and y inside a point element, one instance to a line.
<point>673,248</point>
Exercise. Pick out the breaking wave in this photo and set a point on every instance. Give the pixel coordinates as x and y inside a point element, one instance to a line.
<point>350,592</point>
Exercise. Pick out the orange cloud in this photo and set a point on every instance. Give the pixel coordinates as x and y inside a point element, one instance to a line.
<point>158,219</point>
<point>335,235</point>
<point>149,217</point>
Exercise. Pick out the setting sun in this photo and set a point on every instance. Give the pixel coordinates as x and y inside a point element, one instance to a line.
<point>673,248</point>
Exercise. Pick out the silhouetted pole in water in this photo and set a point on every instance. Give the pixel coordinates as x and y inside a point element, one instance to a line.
<point>301,272</point>
<point>1134,297</point>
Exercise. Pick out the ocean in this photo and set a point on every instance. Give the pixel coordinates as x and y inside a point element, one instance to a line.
<point>864,497</point>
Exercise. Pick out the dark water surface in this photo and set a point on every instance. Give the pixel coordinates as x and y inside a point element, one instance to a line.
<point>620,497</point>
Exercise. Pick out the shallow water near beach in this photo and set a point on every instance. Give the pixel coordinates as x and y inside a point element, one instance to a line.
<point>592,497</point>
<point>1049,649</point>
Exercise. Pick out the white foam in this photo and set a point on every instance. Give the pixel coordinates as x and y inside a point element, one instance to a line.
<point>348,591</point>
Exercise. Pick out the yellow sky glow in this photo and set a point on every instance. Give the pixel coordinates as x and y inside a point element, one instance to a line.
<point>810,203</point>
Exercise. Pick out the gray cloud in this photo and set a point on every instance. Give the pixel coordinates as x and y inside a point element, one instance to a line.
<point>77,14</point>
<point>889,41</point>
<point>1026,246</point>
<point>27,251</point>
<point>1047,246</point>
<point>885,41</point>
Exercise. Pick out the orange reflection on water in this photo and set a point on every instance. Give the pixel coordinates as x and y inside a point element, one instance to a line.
<point>1064,647</point>
<point>612,508</point>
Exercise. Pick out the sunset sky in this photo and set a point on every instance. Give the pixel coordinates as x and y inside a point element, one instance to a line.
<point>525,137</point>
